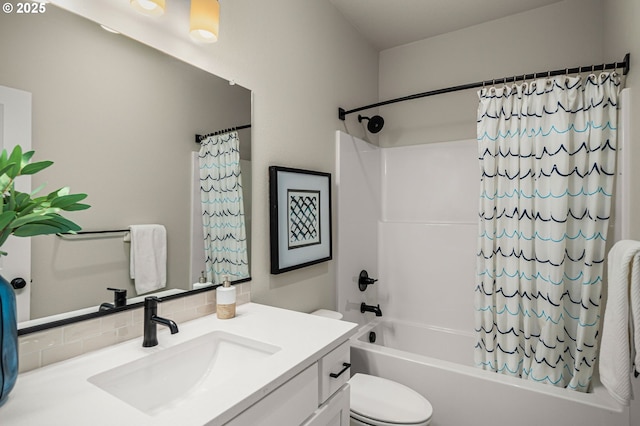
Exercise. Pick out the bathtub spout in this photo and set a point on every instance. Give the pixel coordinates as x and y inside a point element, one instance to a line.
<point>370,308</point>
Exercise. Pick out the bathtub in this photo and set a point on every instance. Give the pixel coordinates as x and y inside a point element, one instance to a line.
<point>438,363</point>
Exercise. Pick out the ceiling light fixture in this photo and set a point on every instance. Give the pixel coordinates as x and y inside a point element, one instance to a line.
<point>149,7</point>
<point>205,20</point>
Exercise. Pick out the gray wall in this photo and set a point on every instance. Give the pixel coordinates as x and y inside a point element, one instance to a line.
<point>118,119</point>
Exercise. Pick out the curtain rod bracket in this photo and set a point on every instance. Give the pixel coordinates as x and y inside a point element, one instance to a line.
<point>627,57</point>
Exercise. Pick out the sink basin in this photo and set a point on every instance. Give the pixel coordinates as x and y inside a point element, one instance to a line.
<point>162,379</point>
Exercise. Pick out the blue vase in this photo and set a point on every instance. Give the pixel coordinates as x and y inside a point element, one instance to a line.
<point>8,340</point>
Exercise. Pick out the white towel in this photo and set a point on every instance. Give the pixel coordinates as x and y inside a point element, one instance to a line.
<point>620,345</point>
<point>148,259</point>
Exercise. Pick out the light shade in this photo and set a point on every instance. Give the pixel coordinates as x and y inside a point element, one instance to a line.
<point>205,20</point>
<point>149,7</point>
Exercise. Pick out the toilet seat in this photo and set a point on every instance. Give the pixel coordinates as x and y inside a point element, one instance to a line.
<point>381,402</point>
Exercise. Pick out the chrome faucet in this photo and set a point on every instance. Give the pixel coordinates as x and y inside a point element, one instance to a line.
<point>151,319</point>
<point>370,308</point>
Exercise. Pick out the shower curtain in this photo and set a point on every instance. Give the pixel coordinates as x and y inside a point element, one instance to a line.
<point>547,163</point>
<point>225,241</point>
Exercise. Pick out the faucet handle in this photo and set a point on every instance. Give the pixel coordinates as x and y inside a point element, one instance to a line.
<point>364,280</point>
<point>151,302</point>
<point>119,296</point>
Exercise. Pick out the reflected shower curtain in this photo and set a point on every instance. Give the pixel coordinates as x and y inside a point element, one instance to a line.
<point>225,241</point>
<point>547,163</point>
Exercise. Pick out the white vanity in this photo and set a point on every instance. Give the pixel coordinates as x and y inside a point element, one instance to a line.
<point>266,366</point>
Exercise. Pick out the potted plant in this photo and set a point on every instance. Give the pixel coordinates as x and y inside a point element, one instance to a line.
<point>25,215</point>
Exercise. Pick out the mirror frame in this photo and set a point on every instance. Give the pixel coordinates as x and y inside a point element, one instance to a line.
<point>98,314</point>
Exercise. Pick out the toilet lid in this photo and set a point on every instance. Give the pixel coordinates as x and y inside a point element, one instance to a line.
<point>387,401</point>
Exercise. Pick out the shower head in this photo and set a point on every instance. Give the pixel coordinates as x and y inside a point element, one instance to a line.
<point>376,123</point>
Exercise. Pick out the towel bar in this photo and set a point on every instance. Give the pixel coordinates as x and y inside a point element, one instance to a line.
<point>103,234</point>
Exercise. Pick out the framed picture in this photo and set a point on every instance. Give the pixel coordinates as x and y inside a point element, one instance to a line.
<point>300,215</point>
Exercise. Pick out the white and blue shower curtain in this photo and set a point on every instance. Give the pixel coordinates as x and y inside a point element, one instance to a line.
<point>225,240</point>
<point>547,152</point>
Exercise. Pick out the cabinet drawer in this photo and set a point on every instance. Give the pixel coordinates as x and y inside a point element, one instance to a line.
<point>334,371</point>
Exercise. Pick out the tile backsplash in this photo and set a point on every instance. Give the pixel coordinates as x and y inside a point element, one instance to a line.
<point>57,344</point>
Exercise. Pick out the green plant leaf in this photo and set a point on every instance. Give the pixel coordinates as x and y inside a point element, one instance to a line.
<point>26,157</point>
<point>25,215</point>
<point>33,229</point>
<point>58,193</point>
<point>29,218</point>
<point>67,200</point>
<point>6,218</point>
<point>33,168</point>
<point>4,168</point>
<point>76,207</point>
<point>38,189</point>
<point>16,159</point>
<point>21,200</point>
<point>4,235</point>
<point>62,223</point>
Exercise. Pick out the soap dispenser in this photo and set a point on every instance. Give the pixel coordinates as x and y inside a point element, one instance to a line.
<point>226,300</point>
<point>202,282</point>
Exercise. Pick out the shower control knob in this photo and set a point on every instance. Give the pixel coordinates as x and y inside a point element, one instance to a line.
<point>364,280</point>
<point>18,283</point>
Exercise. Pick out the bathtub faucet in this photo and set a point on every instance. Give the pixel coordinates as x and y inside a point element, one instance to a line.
<point>369,308</point>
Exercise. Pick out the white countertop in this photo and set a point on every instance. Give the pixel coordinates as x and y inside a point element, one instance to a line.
<point>60,394</point>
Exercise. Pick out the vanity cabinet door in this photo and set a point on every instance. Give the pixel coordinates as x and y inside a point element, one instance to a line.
<point>290,404</point>
<point>334,371</point>
<point>335,412</point>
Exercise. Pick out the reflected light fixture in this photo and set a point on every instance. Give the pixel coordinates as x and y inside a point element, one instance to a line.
<point>149,7</point>
<point>205,20</point>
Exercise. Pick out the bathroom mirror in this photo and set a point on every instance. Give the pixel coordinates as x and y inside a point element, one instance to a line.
<point>119,120</point>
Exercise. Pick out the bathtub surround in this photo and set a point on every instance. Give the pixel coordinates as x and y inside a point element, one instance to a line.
<point>417,239</point>
<point>423,250</point>
<point>358,182</point>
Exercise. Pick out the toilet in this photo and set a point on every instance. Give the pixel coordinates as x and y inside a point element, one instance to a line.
<point>376,401</point>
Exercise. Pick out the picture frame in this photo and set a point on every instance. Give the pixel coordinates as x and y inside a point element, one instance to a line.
<point>300,218</point>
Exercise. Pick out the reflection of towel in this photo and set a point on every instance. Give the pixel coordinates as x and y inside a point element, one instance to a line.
<point>148,261</point>
<point>619,346</point>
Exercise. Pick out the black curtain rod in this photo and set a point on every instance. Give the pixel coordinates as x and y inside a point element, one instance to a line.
<point>200,138</point>
<point>614,65</point>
